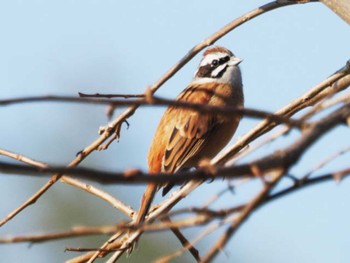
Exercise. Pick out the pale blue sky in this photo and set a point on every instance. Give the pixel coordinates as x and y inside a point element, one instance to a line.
<point>63,47</point>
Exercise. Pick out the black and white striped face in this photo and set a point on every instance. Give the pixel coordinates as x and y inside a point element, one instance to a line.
<point>218,67</point>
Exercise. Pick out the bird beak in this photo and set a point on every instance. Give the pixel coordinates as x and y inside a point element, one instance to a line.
<point>234,61</point>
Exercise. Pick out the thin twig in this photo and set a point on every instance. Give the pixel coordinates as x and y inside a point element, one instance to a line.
<point>116,203</point>
<point>211,228</point>
<point>86,187</point>
<point>84,249</point>
<point>22,158</point>
<point>243,216</point>
<point>74,232</point>
<point>98,95</point>
<point>324,162</point>
<point>325,104</point>
<point>301,184</point>
<point>184,242</point>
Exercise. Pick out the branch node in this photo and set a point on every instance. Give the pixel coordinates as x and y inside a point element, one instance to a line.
<point>256,171</point>
<point>132,172</point>
<point>80,153</point>
<point>338,177</point>
<point>104,129</point>
<point>149,96</point>
<point>207,167</point>
<point>105,146</point>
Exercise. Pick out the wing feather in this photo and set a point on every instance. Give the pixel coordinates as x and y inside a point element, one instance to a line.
<point>190,131</point>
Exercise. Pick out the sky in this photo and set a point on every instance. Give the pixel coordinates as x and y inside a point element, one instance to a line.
<point>65,47</point>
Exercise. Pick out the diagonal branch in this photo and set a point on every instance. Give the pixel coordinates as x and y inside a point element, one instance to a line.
<point>69,180</point>
<point>335,83</point>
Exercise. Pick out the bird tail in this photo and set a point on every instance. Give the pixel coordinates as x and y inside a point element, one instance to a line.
<point>146,202</point>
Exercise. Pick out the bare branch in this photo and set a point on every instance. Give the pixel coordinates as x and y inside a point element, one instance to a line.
<point>302,183</point>
<point>292,154</point>
<point>75,249</point>
<point>243,216</point>
<point>74,232</point>
<point>184,242</point>
<point>117,204</point>
<point>205,215</point>
<point>326,161</point>
<point>22,158</point>
<point>109,96</point>
<point>86,187</point>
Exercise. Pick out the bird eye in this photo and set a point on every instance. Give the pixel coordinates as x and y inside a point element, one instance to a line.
<point>224,59</point>
<point>215,62</point>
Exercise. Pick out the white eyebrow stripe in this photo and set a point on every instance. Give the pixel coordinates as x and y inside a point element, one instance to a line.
<point>209,58</point>
<point>216,71</point>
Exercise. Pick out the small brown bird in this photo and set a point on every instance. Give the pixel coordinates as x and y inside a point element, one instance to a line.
<point>185,137</point>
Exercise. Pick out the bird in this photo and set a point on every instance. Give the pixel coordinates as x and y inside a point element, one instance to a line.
<point>184,136</point>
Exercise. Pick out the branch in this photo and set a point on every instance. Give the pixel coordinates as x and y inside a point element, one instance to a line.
<point>294,151</point>
<point>243,216</point>
<point>86,187</point>
<point>116,203</point>
<point>98,95</point>
<point>285,157</point>
<point>335,83</point>
<point>303,183</point>
<point>74,232</point>
<point>184,242</point>
<point>156,101</point>
<point>324,162</point>
<point>204,214</point>
<point>22,158</point>
<point>281,160</point>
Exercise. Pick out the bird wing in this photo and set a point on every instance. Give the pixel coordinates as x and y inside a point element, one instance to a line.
<point>191,130</point>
